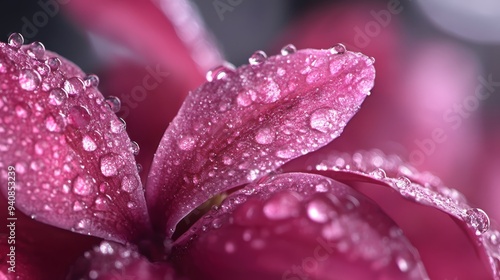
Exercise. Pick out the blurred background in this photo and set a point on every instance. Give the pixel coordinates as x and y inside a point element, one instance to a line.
<point>437,95</point>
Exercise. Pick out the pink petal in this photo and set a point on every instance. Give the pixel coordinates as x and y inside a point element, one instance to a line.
<point>249,121</point>
<point>295,226</point>
<point>168,32</point>
<point>471,250</point>
<point>73,163</point>
<point>112,261</point>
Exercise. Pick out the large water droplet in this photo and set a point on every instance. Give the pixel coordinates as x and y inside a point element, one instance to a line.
<point>129,183</point>
<point>478,220</point>
<point>264,136</point>
<point>324,120</point>
<point>187,143</point>
<point>282,205</point>
<point>134,148</point>
<point>54,63</point>
<point>29,79</point>
<point>378,173</point>
<point>54,123</point>
<point>318,211</point>
<point>36,50</point>
<point>16,40</point>
<point>88,144</point>
<point>74,86</point>
<point>219,72</point>
<point>114,103</point>
<point>79,116</point>
<point>338,49</point>
<point>109,165</point>
<point>288,49</point>
<point>91,81</point>
<point>257,58</point>
<point>57,96</point>
<point>117,125</point>
<point>82,185</point>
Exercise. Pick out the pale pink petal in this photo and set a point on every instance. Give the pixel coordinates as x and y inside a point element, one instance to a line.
<point>70,155</point>
<point>297,226</point>
<point>247,122</point>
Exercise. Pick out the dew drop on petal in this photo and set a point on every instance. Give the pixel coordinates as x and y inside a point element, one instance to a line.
<point>54,63</point>
<point>288,49</point>
<point>79,116</point>
<point>402,183</point>
<point>88,144</point>
<point>52,124</point>
<point>129,183</point>
<point>22,110</point>
<point>29,79</point>
<point>318,210</point>
<point>74,86</point>
<point>91,81</point>
<point>285,154</point>
<point>257,58</point>
<point>16,40</point>
<point>82,185</point>
<point>378,173</point>
<point>264,136</point>
<point>117,125</point>
<point>338,49</point>
<point>478,220</point>
<point>134,148</point>
<point>114,103</point>
<point>109,165</point>
<point>219,72</point>
<point>36,50</point>
<point>282,205</point>
<point>57,96</point>
<point>186,143</point>
<point>324,120</point>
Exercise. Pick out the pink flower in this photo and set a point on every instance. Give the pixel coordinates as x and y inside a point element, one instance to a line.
<point>219,201</point>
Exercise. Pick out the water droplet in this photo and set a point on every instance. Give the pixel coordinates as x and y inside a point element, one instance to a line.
<point>216,223</point>
<point>187,143</point>
<point>285,154</point>
<point>271,92</point>
<point>324,120</point>
<point>101,204</point>
<point>219,72</point>
<point>16,40</point>
<point>91,81</point>
<point>43,69</point>
<point>79,116</point>
<point>495,238</point>
<point>288,49</point>
<point>109,165</point>
<point>88,144</point>
<point>282,205</point>
<point>103,187</point>
<point>78,206</point>
<point>83,224</point>
<point>82,185</point>
<point>403,183</point>
<point>281,72</point>
<point>54,123</point>
<point>318,211</point>
<point>246,98</point>
<point>74,86</point>
<point>134,148</point>
<point>29,79</point>
<point>131,205</point>
<point>54,63</point>
<point>36,50</point>
<point>478,220</point>
<point>257,58</point>
<point>378,173</point>
<point>264,136</point>
<point>106,249</point>
<point>402,263</point>
<point>338,49</point>
<point>57,96</point>
<point>313,77</point>
<point>114,103</point>
<point>139,167</point>
<point>117,125</point>
<point>129,183</point>
<point>22,110</point>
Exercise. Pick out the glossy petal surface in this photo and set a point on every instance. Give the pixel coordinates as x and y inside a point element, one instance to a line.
<point>297,226</point>
<point>73,165</point>
<point>247,122</point>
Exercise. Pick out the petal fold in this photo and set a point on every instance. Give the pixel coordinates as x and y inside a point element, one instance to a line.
<point>297,226</point>
<point>246,122</point>
<point>67,154</point>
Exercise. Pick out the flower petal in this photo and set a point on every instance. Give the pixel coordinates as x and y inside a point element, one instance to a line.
<point>247,122</point>
<point>426,190</point>
<point>168,32</point>
<point>67,152</point>
<point>113,261</point>
<point>296,226</point>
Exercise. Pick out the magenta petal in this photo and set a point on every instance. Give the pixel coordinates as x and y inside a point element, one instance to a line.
<point>249,121</point>
<point>426,190</point>
<point>112,261</point>
<point>297,226</point>
<point>73,163</point>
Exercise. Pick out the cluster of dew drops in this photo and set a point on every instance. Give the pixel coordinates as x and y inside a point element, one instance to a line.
<point>30,79</point>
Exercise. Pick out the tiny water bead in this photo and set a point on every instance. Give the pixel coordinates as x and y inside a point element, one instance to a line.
<point>91,81</point>
<point>288,49</point>
<point>83,185</point>
<point>74,86</point>
<point>257,58</point>
<point>219,72</point>
<point>16,40</point>
<point>338,49</point>
<point>324,119</point>
<point>29,79</point>
<point>36,50</point>
<point>187,143</point>
<point>129,183</point>
<point>134,148</point>
<point>114,103</point>
<point>57,96</point>
<point>54,63</point>
<point>378,173</point>
<point>117,125</point>
<point>88,144</point>
<point>265,136</point>
<point>478,220</point>
<point>109,165</point>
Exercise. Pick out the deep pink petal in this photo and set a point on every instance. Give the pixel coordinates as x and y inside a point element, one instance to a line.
<point>168,32</point>
<point>113,261</point>
<point>471,250</point>
<point>297,226</point>
<point>249,121</point>
<point>74,166</point>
